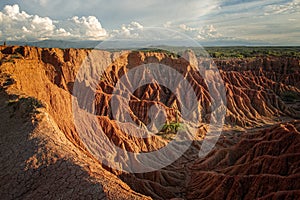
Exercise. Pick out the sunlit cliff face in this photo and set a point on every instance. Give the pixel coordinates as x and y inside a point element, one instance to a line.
<point>257,150</point>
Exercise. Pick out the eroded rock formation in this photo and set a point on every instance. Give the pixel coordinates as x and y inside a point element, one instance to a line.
<point>44,155</point>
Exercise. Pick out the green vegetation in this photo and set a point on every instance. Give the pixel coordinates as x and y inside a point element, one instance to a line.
<point>11,58</point>
<point>169,129</point>
<point>16,56</point>
<point>223,51</point>
<point>27,105</point>
<point>251,52</point>
<point>167,132</point>
<point>172,127</point>
<point>169,53</point>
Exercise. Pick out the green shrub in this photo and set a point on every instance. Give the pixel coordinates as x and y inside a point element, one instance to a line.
<point>169,130</point>
<point>27,105</point>
<point>16,56</point>
<point>172,127</point>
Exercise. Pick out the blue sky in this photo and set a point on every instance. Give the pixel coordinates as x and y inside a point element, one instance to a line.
<point>273,22</point>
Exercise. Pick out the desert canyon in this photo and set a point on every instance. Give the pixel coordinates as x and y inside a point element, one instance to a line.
<point>257,156</point>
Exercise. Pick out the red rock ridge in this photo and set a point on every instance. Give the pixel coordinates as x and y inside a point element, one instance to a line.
<point>253,163</point>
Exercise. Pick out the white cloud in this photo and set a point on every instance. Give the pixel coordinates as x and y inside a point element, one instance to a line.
<point>14,12</point>
<point>116,12</point>
<point>18,25</point>
<point>272,21</point>
<point>259,21</point>
<point>132,30</point>
<point>202,33</point>
<point>210,32</point>
<point>43,2</point>
<point>85,27</point>
<point>135,30</point>
<point>286,8</point>
<point>187,28</point>
<point>168,24</point>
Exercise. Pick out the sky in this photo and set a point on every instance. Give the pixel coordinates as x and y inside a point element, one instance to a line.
<point>270,22</point>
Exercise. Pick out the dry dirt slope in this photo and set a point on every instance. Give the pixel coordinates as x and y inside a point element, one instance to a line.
<point>42,155</point>
<point>39,160</point>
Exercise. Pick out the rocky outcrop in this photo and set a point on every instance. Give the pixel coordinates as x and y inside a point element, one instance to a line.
<point>256,164</point>
<point>38,161</point>
<point>37,86</point>
<point>44,157</point>
<point>261,164</point>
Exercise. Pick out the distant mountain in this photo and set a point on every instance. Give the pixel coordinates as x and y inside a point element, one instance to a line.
<point>64,44</point>
<point>123,44</point>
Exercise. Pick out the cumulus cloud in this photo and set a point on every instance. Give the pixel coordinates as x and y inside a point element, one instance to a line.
<point>209,32</point>
<point>132,30</point>
<point>83,27</point>
<point>135,30</point>
<point>202,33</point>
<point>150,13</point>
<point>272,21</point>
<point>19,25</point>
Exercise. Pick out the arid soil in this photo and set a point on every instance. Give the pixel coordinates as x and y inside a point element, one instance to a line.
<point>43,156</point>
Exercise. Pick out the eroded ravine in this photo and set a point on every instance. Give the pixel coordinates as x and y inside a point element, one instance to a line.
<point>245,159</point>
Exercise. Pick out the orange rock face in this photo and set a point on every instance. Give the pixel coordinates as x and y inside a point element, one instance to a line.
<point>256,156</point>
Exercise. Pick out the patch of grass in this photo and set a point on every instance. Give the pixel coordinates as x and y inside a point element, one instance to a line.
<point>27,105</point>
<point>33,102</point>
